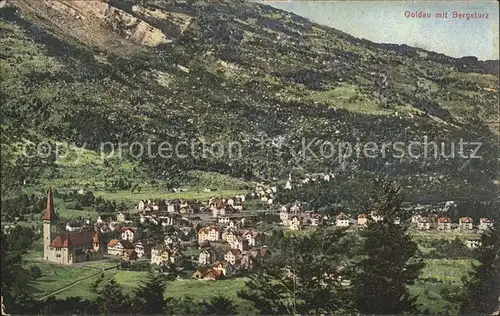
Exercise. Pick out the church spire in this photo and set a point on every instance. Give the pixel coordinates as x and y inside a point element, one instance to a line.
<point>50,214</point>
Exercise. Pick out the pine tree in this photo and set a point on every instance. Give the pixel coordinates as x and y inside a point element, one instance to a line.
<point>483,288</point>
<point>303,277</point>
<point>112,300</point>
<point>150,296</point>
<point>219,305</point>
<point>391,263</point>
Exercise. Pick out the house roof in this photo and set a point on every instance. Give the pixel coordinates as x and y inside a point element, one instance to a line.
<point>50,213</point>
<point>113,242</point>
<point>486,220</point>
<point>127,244</point>
<point>362,216</point>
<point>342,216</point>
<point>465,220</point>
<point>132,229</point>
<point>445,220</point>
<point>73,239</point>
<point>425,220</point>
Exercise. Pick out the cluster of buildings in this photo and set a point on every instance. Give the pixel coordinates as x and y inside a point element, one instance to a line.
<point>226,237</point>
<point>228,242</point>
<point>445,223</point>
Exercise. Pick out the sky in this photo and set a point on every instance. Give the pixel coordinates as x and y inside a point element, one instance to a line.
<point>385,22</point>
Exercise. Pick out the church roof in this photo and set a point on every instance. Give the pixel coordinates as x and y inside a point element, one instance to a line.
<point>73,239</point>
<point>50,214</point>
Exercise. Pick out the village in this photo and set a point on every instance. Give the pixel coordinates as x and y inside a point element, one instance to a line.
<point>216,239</point>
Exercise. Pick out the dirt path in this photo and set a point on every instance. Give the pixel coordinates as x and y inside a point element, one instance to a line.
<point>74,283</point>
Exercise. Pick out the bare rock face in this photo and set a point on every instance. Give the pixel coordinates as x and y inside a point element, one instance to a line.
<point>92,21</point>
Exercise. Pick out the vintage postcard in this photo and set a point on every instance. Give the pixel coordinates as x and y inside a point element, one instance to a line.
<point>225,157</point>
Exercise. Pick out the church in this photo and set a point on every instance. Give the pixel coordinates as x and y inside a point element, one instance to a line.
<point>64,247</point>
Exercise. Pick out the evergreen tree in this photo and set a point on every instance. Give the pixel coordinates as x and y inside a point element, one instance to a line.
<point>112,300</point>
<point>303,277</point>
<point>150,296</point>
<point>483,288</point>
<point>391,263</point>
<point>219,305</point>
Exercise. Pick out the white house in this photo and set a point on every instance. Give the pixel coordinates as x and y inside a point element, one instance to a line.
<point>375,217</point>
<point>117,247</point>
<point>362,220</point>
<point>141,205</point>
<point>284,217</point>
<point>485,224</point>
<point>424,223</point>
<point>416,218</point>
<point>121,217</point>
<point>342,220</point>
<point>223,219</point>
<point>208,234</point>
<point>473,243</point>
<point>129,233</point>
<point>240,243</point>
<point>444,223</point>
<point>465,223</point>
<point>207,257</point>
<point>143,249</point>
<point>233,256</point>
<point>295,223</point>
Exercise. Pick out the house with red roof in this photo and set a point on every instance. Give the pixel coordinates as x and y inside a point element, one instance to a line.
<point>118,247</point>
<point>444,223</point>
<point>465,223</point>
<point>65,247</point>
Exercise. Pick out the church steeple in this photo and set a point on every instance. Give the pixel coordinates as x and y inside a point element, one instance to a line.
<point>50,214</point>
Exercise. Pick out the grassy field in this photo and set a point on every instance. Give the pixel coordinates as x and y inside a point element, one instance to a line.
<point>192,193</point>
<point>199,290</point>
<point>55,277</point>
<point>438,276</point>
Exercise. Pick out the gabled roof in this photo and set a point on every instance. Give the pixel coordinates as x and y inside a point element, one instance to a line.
<point>465,220</point>
<point>50,214</point>
<point>125,243</point>
<point>132,229</point>
<point>73,239</point>
<point>445,220</point>
<point>342,216</point>
<point>486,220</point>
<point>425,220</point>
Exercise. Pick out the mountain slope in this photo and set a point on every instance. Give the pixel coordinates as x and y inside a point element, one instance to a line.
<point>235,71</point>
